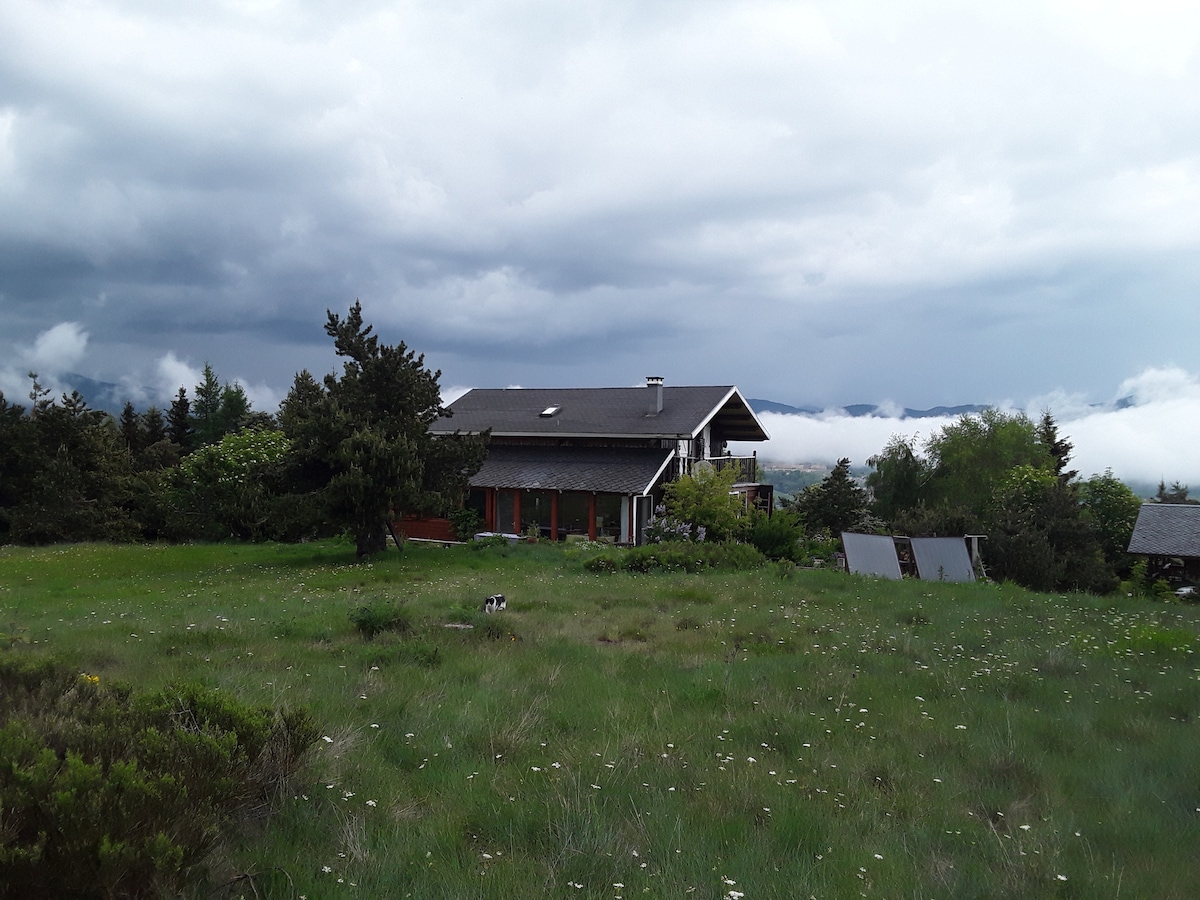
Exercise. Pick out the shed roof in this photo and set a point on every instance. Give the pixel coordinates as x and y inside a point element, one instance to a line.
<point>1167,529</point>
<point>871,554</point>
<point>942,559</point>
<point>616,471</point>
<point>610,412</point>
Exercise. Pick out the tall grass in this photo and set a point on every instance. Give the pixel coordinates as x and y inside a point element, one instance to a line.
<point>769,733</point>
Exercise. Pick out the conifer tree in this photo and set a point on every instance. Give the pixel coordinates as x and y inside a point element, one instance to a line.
<point>364,435</point>
<point>179,420</point>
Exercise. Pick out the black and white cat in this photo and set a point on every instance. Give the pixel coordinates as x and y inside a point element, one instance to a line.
<point>494,603</point>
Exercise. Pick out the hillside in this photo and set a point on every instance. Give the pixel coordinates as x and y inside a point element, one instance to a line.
<point>775,733</point>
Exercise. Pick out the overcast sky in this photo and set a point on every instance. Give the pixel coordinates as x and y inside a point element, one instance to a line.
<point>916,203</point>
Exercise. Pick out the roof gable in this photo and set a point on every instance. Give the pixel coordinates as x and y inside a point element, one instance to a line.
<point>1167,529</point>
<point>610,412</point>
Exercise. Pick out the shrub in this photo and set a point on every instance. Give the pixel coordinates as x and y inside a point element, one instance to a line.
<point>105,794</point>
<point>703,500</point>
<point>373,618</point>
<point>491,542</point>
<point>679,556</point>
<point>465,522</point>
<point>777,536</point>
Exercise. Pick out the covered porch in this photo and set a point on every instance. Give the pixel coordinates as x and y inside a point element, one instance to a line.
<point>564,494</point>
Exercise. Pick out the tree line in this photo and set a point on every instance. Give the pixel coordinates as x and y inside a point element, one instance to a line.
<point>344,454</point>
<point>1001,475</point>
<point>996,474</point>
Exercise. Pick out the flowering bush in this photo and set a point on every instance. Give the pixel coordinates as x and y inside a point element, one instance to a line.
<point>663,528</point>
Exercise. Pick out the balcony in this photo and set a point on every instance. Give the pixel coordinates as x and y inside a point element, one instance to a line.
<point>747,466</point>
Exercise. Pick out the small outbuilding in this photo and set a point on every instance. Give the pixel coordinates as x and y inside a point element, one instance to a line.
<point>1168,535</point>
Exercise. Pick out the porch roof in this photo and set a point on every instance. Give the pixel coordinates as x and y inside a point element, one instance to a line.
<point>614,471</point>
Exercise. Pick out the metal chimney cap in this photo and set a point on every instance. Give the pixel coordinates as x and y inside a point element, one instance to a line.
<point>654,380</point>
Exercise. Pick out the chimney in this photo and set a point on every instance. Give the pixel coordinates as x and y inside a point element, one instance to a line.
<point>655,385</point>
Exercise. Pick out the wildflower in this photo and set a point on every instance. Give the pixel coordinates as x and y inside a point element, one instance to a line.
<point>1024,827</point>
<point>1061,877</point>
<point>372,803</point>
<point>327,739</point>
<point>326,869</point>
<point>879,856</point>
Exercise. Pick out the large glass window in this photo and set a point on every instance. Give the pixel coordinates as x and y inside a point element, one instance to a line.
<point>573,507</point>
<point>608,516</point>
<point>535,512</point>
<point>504,511</point>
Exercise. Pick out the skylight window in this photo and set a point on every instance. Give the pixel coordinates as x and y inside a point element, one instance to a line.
<point>549,411</point>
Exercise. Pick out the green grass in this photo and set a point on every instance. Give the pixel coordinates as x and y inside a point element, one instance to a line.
<point>810,735</point>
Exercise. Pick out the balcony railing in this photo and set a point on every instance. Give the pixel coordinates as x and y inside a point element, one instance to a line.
<point>747,466</point>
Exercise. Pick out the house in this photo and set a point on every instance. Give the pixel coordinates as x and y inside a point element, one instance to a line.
<point>591,463</point>
<point>1168,534</point>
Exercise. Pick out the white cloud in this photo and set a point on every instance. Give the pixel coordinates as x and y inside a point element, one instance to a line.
<point>53,353</point>
<point>173,374</point>
<point>57,350</point>
<point>1153,439</point>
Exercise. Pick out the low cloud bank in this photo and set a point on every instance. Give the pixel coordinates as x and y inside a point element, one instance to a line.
<point>1149,432</point>
<point>60,351</point>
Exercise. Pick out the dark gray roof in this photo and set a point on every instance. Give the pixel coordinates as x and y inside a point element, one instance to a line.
<point>617,471</point>
<point>942,559</point>
<point>609,412</point>
<point>1167,529</point>
<point>871,554</point>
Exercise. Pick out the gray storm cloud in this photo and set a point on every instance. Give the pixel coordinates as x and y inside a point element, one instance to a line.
<point>823,203</point>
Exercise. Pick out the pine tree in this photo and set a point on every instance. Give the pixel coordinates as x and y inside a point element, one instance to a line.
<point>131,431</point>
<point>368,431</point>
<point>837,503</point>
<point>179,420</point>
<point>153,427</point>
<point>206,410</point>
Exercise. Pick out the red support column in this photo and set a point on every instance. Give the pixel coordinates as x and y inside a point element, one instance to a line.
<point>516,522</point>
<point>554,516</point>
<point>592,517</point>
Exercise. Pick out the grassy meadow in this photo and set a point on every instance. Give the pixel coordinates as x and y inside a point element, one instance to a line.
<point>779,733</point>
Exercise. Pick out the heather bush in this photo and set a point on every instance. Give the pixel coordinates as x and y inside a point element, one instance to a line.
<point>107,794</point>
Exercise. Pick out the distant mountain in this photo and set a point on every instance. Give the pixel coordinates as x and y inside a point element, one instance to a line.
<point>865,409</point>
<point>102,395</point>
<point>760,406</point>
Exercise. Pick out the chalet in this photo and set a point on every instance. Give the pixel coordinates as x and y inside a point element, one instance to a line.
<point>1168,535</point>
<point>590,463</point>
